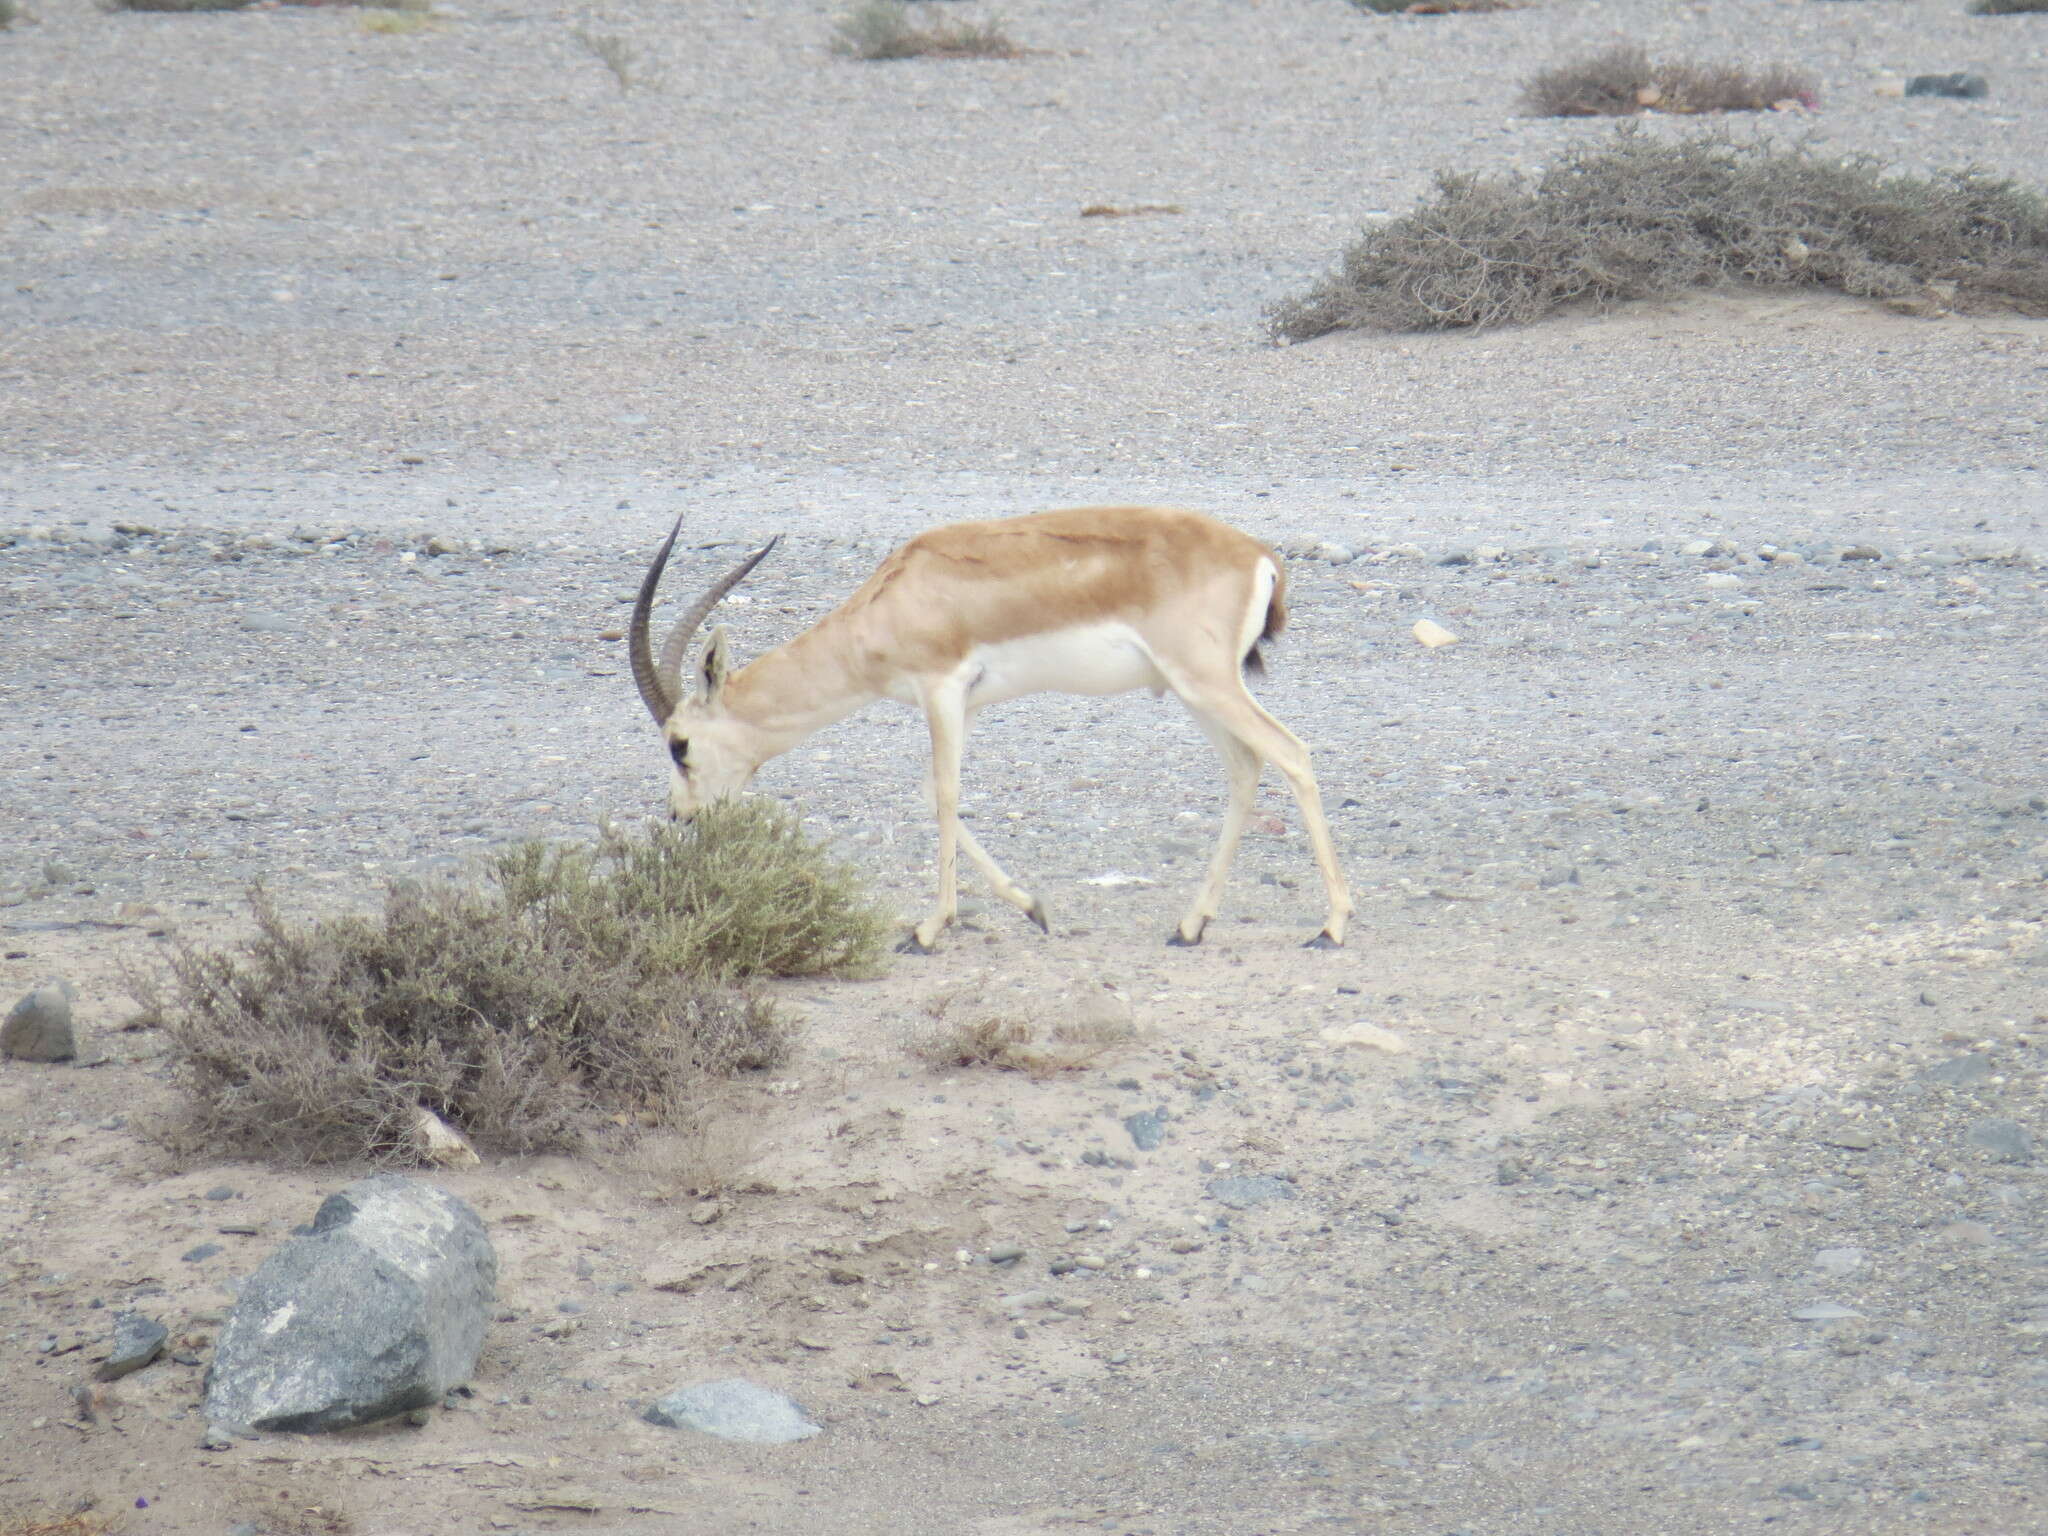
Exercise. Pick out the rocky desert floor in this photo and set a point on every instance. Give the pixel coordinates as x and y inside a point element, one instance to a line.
<point>1662,1155</point>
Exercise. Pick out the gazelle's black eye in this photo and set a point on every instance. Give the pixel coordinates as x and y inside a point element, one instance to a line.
<point>680,751</point>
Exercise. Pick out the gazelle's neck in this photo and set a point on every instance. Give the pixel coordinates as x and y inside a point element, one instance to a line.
<point>794,691</point>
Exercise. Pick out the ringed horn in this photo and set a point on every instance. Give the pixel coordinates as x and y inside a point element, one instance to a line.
<point>661,687</point>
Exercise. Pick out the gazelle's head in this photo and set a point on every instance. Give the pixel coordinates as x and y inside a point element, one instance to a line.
<point>711,752</point>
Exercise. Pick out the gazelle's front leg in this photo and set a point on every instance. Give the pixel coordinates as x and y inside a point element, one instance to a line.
<point>942,790</point>
<point>945,713</point>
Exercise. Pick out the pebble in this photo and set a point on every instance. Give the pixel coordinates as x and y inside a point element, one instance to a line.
<point>1147,1128</point>
<point>1823,1312</point>
<point>1838,1261</point>
<point>138,1340</point>
<point>1960,85</point>
<point>1241,1192</point>
<point>2006,1140</point>
<point>1432,634</point>
<point>1370,1036</point>
<point>1853,1138</point>
<point>1965,1071</point>
<point>38,1027</point>
<point>1006,1253</point>
<point>733,1409</point>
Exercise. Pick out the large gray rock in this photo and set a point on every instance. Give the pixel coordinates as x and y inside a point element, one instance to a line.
<point>379,1310</point>
<point>38,1028</point>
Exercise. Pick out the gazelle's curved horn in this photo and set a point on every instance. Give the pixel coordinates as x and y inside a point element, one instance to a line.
<point>671,674</point>
<point>660,701</point>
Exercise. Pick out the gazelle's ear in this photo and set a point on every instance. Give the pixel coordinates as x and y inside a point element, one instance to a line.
<point>712,664</point>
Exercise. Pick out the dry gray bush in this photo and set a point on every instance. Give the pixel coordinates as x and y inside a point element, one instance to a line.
<point>1637,217</point>
<point>2008,7</point>
<point>972,1029</point>
<point>568,985</point>
<point>176,5</point>
<point>1624,80</point>
<point>621,56</point>
<point>1434,7</point>
<point>885,29</point>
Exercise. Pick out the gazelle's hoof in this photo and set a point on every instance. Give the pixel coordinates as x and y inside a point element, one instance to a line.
<point>1324,941</point>
<point>913,945</point>
<point>1182,941</point>
<point>1037,915</point>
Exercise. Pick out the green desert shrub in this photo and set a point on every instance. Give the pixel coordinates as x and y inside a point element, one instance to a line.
<point>1639,217</point>
<point>565,985</point>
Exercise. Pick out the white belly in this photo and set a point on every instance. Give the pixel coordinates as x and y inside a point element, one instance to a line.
<point>1091,658</point>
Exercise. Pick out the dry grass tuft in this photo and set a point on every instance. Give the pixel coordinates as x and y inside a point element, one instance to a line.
<point>415,7</point>
<point>885,29</point>
<point>179,6</point>
<point>1638,218</point>
<point>1623,80</point>
<point>58,1525</point>
<point>620,55</point>
<point>1434,7</point>
<point>569,985</point>
<point>971,1030</point>
<point>710,1157</point>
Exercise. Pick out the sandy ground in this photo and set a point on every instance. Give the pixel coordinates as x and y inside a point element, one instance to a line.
<point>1708,916</point>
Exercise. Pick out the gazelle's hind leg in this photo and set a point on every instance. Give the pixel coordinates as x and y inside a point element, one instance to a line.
<point>1241,764</point>
<point>946,717</point>
<point>1224,704</point>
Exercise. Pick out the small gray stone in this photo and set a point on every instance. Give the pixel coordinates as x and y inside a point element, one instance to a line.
<point>1965,1071</point>
<point>200,1254</point>
<point>1242,1193</point>
<point>38,1027</point>
<point>1838,1261</point>
<point>733,1409</point>
<point>1006,1253</point>
<point>1147,1128</point>
<point>1852,1138</point>
<point>1960,85</point>
<point>2005,1140</point>
<point>137,1341</point>
<point>1823,1312</point>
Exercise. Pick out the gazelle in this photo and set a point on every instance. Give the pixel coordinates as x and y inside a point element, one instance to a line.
<point>1095,600</point>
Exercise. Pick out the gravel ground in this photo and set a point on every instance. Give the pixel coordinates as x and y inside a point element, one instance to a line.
<point>351,378</point>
